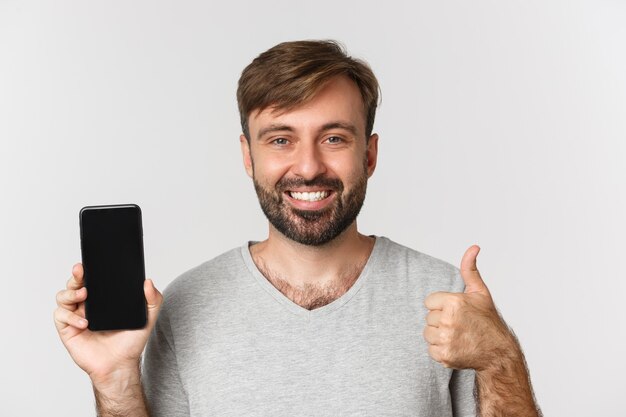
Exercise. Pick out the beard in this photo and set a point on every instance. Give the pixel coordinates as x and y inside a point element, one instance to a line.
<point>312,227</point>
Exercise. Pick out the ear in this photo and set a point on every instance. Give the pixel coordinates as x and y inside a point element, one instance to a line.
<point>245,153</point>
<point>372,154</point>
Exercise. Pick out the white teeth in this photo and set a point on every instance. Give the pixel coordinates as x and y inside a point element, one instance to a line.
<point>305,196</point>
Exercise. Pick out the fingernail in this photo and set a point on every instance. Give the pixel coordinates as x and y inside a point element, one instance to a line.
<point>82,322</point>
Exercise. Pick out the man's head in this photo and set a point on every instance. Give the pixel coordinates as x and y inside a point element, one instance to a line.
<point>291,73</point>
<point>307,112</point>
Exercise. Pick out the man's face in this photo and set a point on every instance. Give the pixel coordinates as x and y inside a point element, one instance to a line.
<point>310,165</point>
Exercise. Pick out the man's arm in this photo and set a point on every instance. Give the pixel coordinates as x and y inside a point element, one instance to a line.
<point>504,388</point>
<point>465,331</point>
<point>121,396</point>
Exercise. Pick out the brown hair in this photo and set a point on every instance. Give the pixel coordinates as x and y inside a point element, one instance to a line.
<point>291,73</point>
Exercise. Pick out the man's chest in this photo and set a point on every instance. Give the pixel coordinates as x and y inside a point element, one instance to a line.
<point>374,366</point>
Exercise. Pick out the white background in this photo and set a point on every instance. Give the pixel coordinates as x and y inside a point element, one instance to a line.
<point>503,123</point>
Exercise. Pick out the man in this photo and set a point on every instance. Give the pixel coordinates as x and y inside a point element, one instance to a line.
<point>318,319</point>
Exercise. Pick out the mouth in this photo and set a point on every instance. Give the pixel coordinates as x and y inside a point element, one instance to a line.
<point>309,195</point>
<point>310,200</point>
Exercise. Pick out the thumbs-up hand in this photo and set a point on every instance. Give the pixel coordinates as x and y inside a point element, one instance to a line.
<point>465,331</point>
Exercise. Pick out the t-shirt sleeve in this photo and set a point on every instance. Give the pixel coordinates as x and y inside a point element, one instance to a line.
<point>462,393</point>
<point>164,391</point>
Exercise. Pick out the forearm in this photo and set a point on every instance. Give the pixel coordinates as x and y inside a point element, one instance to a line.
<point>121,395</point>
<point>504,389</point>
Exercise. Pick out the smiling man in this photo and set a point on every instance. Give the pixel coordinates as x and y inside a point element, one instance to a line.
<point>318,319</point>
<point>310,167</point>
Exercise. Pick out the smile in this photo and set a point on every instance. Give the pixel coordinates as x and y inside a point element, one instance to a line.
<point>308,196</point>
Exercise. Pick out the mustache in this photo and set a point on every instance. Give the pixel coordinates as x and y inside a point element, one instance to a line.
<point>285,184</point>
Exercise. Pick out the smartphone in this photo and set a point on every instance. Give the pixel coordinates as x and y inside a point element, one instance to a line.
<point>112,253</point>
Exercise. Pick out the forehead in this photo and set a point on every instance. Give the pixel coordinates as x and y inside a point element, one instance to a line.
<point>338,100</point>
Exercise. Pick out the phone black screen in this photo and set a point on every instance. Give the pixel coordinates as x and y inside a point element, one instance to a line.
<point>113,262</point>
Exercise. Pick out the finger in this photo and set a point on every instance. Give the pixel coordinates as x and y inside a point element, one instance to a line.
<point>436,300</point>
<point>69,299</point>
<point>64,318</point>
<point>432,335</point>
<point>435,352</point>
<point>433,318</point>
<point>469,271</point>
<point>77,279</point>
<point>154,300</point>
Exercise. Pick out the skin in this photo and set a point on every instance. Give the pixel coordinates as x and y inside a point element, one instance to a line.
<point>110,358</point>
<point>463,330</point>
<point>306,150</point>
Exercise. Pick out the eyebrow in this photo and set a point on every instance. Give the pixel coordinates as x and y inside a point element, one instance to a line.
<point>341,125</point>
<point>328,126</point>
<point>274,128</point>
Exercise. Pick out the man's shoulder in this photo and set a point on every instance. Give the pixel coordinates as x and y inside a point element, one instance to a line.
<point>398,252</point>
<point>427,269</point>
<point>207,276</point>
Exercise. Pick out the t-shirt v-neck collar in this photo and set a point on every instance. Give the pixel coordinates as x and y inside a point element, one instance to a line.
<point>321,311</point>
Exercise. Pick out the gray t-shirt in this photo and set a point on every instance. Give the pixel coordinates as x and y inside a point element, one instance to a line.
<point>228,343</point>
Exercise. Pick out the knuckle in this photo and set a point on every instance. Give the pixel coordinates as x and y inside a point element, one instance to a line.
<point>448,336</point>
<point>429,317</point>
<point>60,297</point>
<point>425,333</point>
<point>433,352</point>
<point>444,337</point>
<point>445,321</point>
<point>60,314</point>
<point>455,301</point>
<point>445,356</point>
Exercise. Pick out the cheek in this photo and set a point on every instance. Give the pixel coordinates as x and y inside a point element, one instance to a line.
<point>350,170</point>
<point>269,170</point>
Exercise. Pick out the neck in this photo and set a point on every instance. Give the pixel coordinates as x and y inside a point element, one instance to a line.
<point>297,270</point>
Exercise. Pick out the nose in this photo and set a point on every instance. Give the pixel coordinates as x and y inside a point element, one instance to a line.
<point>308,161</point>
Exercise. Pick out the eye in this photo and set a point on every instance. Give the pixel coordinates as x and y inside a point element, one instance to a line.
<point>280,141</point>
<point>334,139</point>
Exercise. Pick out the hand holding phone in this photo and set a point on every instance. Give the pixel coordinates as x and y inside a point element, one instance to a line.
<point>101,354</point>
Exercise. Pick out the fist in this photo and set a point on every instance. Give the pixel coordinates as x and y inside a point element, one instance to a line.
<point>465,331</point>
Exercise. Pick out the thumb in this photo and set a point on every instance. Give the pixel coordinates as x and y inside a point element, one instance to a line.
<point>469,271</point>
<point>154,300</point>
